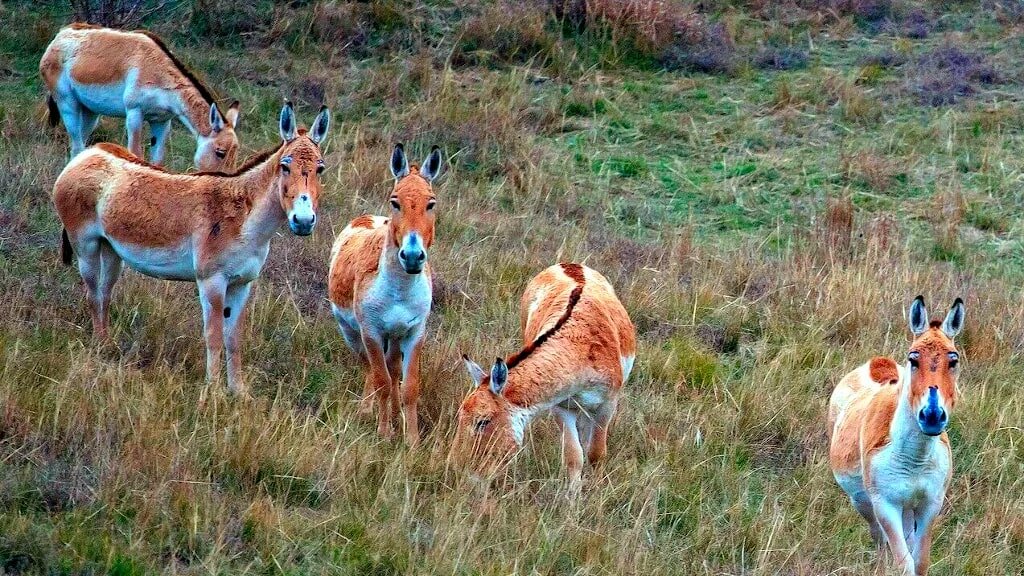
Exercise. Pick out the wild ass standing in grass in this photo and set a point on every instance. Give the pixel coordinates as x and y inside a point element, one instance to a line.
<point>889,450</point>
<point>91,71</point>
<point>380,287</point>
<point>213,229</point>
<point>580,347</point>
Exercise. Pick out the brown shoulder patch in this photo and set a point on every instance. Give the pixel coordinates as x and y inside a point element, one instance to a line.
<point>884,370</point>
<point>126,154</point>
<point>364,221</point>
<point>574,271</point>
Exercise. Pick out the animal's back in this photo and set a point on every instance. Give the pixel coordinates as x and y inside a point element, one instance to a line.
<point>599,326</point>
<point>100,55</point>
<point>355,255</point>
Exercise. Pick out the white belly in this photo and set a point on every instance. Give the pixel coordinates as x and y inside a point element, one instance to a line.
<point>103,99</point>
<point>173,263</point>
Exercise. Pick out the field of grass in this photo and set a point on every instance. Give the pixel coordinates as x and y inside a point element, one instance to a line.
<point>767,196</point>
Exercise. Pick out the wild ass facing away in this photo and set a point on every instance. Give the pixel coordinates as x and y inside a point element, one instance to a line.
<point>92,71</point>
<point>213,229</point>
<point>580,348</point>
<point>889,450</point>
<point>380,287</point>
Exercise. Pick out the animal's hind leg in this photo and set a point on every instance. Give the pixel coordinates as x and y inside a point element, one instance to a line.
<point>110,271</point>
<point>71,114</point>
<point>160,131</point>
<point>597,447</point>
<point>90,267</point>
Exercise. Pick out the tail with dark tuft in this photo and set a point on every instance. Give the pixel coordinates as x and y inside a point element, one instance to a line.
<point>54,113</point>
<point>65,247</point>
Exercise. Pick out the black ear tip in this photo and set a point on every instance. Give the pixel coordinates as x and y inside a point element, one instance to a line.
<point>958,302</point>
<point>399,146</point>
<point>435,148</point>
<point>235,104</point>
<point>465,357</point>
<point>919,298</point>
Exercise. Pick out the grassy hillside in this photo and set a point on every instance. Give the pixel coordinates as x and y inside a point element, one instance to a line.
<point>766,188</point>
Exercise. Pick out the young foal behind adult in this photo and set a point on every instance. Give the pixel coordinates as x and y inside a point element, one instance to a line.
<point>379,285</point>
<point>889,450</point>
<point>580,347</point>
<point>212,229</point>
<point>92,71</point>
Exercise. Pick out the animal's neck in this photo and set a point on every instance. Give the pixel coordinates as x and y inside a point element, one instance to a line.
<point>194,111</point>
<point>538,381</point>
<point>260,187</point>
<point>912,445</point>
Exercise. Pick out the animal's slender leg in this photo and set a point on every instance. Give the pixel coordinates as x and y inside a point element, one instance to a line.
<point>863,505</point>
<point>393,357</point>
<point>411,349</point>
<point>160,131</point>
<point>211,296</point>
<point>90,266</point>
<point>235,313</point>
<point>381,383</point>
<point>925,519</point>
<point>110,271</point>
<point>890,518</point>
<point>133,123</point>
<point>88,122</point>
<point>572,451</point>
<point>354,340</point>
<point>602,418</point>
<point>71,116</point>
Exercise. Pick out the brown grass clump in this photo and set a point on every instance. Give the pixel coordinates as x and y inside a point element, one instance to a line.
<point>505,32</point>
<point>868,168</point>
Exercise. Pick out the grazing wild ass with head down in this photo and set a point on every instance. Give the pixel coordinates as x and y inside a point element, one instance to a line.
<point>889,450</point>
<point>380,289</point>
<point>580,347</point>
<point>213,229</point>
<point>91,71</point>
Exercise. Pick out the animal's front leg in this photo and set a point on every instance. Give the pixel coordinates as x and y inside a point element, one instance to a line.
<point>133,123</point>
<point>381,383</point>
<point>160,132</point>
<point>235,313</point>
<point>211,296</point>
<point>572,450</point>
<point>411,349</point>
<point>925,518</point>
<point>890,519</point>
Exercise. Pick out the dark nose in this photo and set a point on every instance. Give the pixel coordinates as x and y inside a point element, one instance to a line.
<point>932,417</point>
<point>412,257</point>
<point>302,226</point>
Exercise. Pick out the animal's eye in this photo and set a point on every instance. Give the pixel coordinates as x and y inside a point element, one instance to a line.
<point>395,204</point>
<point>220,153</point>
<point>482,424</point>
<point>954,359</point>
<point>913,358</point>
<point>285,169</point>
<point>431,203</point>
<point>319,168</point>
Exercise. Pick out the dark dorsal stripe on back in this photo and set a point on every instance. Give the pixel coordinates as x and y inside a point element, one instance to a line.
<point>185,71</point>
<point>574,271</point>
<point>251,163</point>
<point>126,154</point>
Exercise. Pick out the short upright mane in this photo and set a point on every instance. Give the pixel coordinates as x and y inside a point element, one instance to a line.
<point>126,154</point>
<point>203,90</point>
<point>574,271</point>
<point>251,163</point>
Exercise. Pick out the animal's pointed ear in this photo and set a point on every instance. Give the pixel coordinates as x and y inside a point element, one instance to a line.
<point>918,316</point>
<point>231,116</point>
<point>399,163</point>
<point>499,376</point>
<point>320,125</point>
<point>475,371</point>
<point>216,121</point>
<point>432,165</point>
<point>954,321</point>
<point>287,122</point>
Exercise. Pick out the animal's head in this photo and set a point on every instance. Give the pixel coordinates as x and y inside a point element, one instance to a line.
<point>932,364</point>
<point>484,435</point>
<point>300,168</point>
<point>216,151</point>
<point>412,208</point>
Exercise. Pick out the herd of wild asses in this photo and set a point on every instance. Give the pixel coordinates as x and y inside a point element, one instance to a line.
<point>888,447</point>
